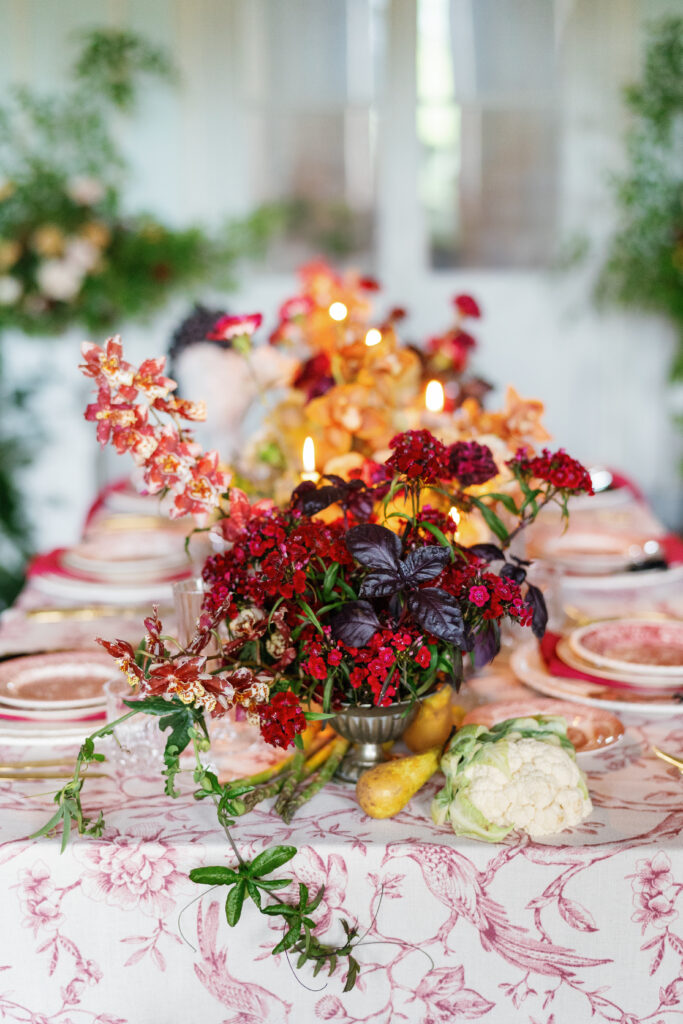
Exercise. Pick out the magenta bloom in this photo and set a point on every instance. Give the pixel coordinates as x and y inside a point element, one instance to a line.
<point>478,595</point>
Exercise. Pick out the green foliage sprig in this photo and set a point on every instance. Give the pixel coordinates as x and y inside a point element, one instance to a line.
<point>644,268</point>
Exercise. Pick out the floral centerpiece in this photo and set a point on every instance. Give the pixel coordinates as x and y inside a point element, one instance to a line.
<point>329,601</point>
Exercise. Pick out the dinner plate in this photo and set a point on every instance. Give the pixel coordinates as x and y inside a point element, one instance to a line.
<point>132,554</point>
<point>653,647</point>
<point>71,588</point>
<point>596,553</point>
<point>622,680</point>
<point>60,681</point>
<point>588,729</point>
<point>50,715</point>
<point>528,665</point>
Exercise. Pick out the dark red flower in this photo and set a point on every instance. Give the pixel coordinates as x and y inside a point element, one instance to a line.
<point>467,306</point>
<point>281,719</point>
<point>471,463</point>
<point>423,657</point>
<point>314,377</point>
<point>418,455</point>
<point>478,595</point>
<point>556,468</point>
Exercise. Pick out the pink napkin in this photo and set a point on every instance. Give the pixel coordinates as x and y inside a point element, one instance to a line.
<point>557,667</point>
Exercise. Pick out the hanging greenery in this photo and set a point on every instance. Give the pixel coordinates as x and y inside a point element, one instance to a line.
<point>69,252</point>
<point>644,268</point>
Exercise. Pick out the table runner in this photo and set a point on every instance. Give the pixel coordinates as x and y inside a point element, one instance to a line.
<point>581,926</point>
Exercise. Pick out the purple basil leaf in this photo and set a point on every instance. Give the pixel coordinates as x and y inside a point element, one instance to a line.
<point>338,481</point>
<point>513,572</point>
<point>539,613</point>
<point>356,624</point>
<point>438,613</point>
<point>487,552</point>
<point>316,501</point>
<point>486,645</point>
<point>425,563</point>
<point>374,546</point>
<point>381,583</point>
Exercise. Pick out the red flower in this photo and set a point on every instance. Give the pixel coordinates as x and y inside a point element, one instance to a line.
<point>369,284</point>
<point>556,468</point>
<point>423,657</point>
<point>471,463</point>
<point>229,327</point>
<point>300,305</point>
<point>281,720</point>
<point>418,455</point>
<point>478,595</point>
<point>467,306</point>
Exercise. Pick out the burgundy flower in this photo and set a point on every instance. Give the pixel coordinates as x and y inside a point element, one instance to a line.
<point>467,306</point>
<point>471,463</point>
<point>556,468</point>
<point>417,454</point>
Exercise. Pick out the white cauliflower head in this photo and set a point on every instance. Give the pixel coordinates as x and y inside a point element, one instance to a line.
<point>520,775</point>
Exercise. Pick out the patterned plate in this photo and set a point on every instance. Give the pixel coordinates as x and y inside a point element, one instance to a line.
<point>65,680</point>
<point>622,680</point>
<point>528,665</point>
<point>649,646</point>
<point>589,729</point>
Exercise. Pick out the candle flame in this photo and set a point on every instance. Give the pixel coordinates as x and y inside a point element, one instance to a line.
<point>454,514</point>
<point>434,396</point>
<point>338,311</point>
<point>309,455</point>
<point>373,337</point>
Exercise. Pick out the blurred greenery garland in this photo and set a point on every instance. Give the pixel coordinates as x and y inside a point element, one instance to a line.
<point>644,267</point>
<point>69,253</point>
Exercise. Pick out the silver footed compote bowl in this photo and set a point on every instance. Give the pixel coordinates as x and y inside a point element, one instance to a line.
<point>368,728</point>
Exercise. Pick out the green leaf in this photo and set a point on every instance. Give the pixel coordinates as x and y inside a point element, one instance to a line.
<point>270,860</point>
<point>253,891</point>
<point>213,875</point>
<point>66,833</point>
<point>352,974</point>
<point>49,825</point>
<point>436,532</point>
<point>315,902</point>
<point>288,940</point>
<point>329,579</point>
<point>492,521</point>
<point>281,910</point>
<point>303,896</point>
<point>273,883</point>
<point>234,902</point>
<point>317,716</point>
<point>506,500</point>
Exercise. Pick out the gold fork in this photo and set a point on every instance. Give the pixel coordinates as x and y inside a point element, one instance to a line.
<point>677,762</point>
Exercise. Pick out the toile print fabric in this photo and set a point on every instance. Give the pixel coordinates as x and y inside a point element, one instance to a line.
<point>587,926</point>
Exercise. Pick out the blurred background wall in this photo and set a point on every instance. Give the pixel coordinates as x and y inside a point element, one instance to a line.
<point>441,145</point>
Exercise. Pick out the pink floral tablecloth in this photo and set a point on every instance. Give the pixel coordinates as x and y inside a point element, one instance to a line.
<point>584,927</point>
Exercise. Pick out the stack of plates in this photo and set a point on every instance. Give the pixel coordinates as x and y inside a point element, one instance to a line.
<point>125,567</point>
<point>632,662</point>
<point>53,696</point>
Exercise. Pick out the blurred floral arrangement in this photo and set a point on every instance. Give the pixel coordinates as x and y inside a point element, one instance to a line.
<point>644,268</point>
<point>338,378</point>
<point>330,601</point>
<point>69,253</point>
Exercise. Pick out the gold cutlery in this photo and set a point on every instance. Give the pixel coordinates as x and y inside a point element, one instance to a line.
<point>85,613</point>
<point>677,762</point>
<point>18,776</point>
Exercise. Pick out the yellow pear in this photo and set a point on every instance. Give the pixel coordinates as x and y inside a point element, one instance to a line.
<point>432,725</point>
<point>385,789</point>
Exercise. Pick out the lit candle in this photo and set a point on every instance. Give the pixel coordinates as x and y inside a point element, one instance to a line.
<point>434,397</point>
<point>338,311</point>
<point>308,460</point>
<point>454,514</point>
<point>373,337</point>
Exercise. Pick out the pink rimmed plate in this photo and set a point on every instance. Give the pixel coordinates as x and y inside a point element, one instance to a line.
<point>527,664</point>
<point>651,647</point>
<point>588,729</point>
<point>637,681</point>
<point>60,681</point>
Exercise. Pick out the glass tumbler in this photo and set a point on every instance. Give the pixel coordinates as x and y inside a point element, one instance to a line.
<point>137,745</point>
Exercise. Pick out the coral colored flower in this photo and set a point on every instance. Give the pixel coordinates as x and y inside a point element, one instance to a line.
<point>107,362</point>
<point>149,378</point>
<point>478,595</point>
<point>467,306</point>
<point>229,327</point>
<point>300,305</point>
